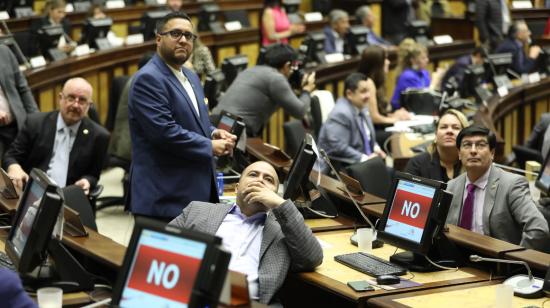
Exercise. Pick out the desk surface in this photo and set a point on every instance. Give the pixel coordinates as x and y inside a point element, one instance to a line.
<point>536,259</point>
<point>482,294</point>
<point>333,276</point>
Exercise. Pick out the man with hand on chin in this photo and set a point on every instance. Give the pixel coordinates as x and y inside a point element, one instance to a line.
<point>173,141</point>
<point>491,201</point>
<point>265,234</point>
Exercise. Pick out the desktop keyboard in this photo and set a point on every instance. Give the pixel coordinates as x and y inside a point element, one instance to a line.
<point>5,262</point>
<point>369,264</point>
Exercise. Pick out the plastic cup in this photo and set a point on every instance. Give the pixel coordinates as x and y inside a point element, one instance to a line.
<point>365,236</point>
<point>50,297</point>
<point>504,296</point>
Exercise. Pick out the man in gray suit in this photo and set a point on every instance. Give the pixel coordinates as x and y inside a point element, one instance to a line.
<point>265,234</point>
<point>16,98</point>
<point>491,201</point>
<point>348,133</point>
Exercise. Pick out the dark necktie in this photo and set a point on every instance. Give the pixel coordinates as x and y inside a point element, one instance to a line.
<point>366,140</point>
<point>468,208</point>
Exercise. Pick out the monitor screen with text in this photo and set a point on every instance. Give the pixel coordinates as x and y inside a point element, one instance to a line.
<point>410,210</point>
<point>163,271</point>
<point>29,207</point>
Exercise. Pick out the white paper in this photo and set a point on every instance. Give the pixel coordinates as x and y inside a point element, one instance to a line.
<point>233,25</point>
<point>4,15</point>
<point>313,16</point>
<point>115,4</point>
<point>443,39</point>
<point>38,61</point>
<point>134,39</point>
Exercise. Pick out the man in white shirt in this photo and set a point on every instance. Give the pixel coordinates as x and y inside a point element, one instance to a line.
<point>491,201</point>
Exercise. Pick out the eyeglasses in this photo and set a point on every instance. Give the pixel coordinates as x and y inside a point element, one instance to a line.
<point>71,99</point>
<point>481,145</point>
<point>177,34</point>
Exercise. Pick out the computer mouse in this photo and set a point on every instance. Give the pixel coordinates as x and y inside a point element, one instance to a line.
<point>387,279</point>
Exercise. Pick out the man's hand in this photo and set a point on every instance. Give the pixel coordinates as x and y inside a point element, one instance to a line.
<point>84,184</point>
<point>380,153</point>
<point>17,176</point>
<point>223,134</point>
<point>4,118</point>
<point>402,114</point>
<point>308,83</point>
<point>257,192</point>
<point>534,51</point>
<point>222,147</point>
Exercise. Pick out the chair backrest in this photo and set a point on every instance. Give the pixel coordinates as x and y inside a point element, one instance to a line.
<point>524,154</point>
<point>76,199</point>
<point>316,116</point>
<point>117,85</point>
<point>326,102</point>
<point>294,135</point>
<point>373,176</point>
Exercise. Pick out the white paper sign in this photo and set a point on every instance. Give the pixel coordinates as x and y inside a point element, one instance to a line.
<point>443,39</point>
<point>534,77</point>
<point>134,39</point>
<point>233,25</point>
<point>522,5</point>
<point>502,91</point>
<point>115,4</point>
<point>313,16</point>
<point>38,61</point>
<point>69,8</point>
<point>334,57</point>
<point>4,15</point>
<point>82,50</point>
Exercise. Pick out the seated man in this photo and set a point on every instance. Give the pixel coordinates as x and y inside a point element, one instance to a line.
<point>365,17</point>
<point>454,76</point>
<point>265,234</point>
<point>65,143</point>
<point>491,201</point>
<point>540,136</point>
<point>258,91</point>
<point>335,33</point>
<point>518,38</point>
<point>348,133</point>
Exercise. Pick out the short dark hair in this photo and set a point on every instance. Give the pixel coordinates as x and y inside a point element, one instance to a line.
<point>172,15</point>
<point>476,130</point>
<point>277,55</point>
<point>352,81</point>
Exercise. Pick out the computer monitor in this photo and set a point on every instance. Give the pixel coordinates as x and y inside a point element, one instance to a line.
<point>232,66</point>
<point>297,182</point>
<point>94,29</point>
<point>419,30</point>
<point>474,76</point>
<point>34,220</point>
<point>414,217</point>
<point>20,8</point>
<point>356,40</point>
<point>497,67</point>
<point>543,180</point>
<point>165,266</point>
<point>312,49</point>
<point>208,17</point>
<point>48,40</point>
<point>149,23</point>
<point>237,15</point>
<point>214,84</point>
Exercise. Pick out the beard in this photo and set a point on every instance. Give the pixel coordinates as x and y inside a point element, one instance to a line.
<point>170,56</point>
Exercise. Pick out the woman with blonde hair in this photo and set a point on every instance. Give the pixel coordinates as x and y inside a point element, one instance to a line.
<point>54,15</point>
<point>441,161</point>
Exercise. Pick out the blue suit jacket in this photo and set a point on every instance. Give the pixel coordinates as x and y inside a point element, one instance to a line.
<point>330,45</point>
<point>340,135</point>
<point>12,292</point>
<point>172,160</point>
<point>521,63</point>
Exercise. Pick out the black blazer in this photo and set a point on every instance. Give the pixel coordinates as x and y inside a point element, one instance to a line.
<point>428,166</point>
<point>33,147</point>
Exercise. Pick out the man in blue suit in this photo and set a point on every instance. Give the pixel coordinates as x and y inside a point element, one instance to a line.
<point>348,133</point>
<point>335,33</point>
<point>173,142</point>
<point>519,36</point>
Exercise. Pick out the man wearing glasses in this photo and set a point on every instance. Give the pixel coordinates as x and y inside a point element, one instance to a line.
<point>65,143</point>
<point>173,141</point>
<point>491,201</point>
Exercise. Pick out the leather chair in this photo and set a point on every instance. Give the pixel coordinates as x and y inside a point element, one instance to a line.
<point>373,176</point>
<point>294,135</point>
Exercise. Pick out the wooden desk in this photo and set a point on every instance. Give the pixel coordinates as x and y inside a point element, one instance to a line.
<point>98,247</point>
<point>482,294</point>
<point>327,285</point>
<point>536,259</point>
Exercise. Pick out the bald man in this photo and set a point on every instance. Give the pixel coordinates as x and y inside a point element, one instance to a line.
<point>265,234</point>
<point>64,143</point>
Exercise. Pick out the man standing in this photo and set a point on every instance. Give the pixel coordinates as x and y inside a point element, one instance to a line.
<point>172,145</point>
<point>492,21</point>
<point>348,133</point>
<point>519,38</point>
<point>265,234</point>
<point>65,144</point>
<point>16,99</point>
<point>491,201</point>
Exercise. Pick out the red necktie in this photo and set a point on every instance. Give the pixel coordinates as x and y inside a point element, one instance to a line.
<point>468,208</point>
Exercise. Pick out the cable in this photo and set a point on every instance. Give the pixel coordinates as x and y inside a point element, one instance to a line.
<point>440,266</point>
<point>319,213</point>
<point>544,303</point>
<point>409,279</point>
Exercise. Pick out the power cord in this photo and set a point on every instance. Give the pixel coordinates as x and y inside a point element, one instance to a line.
<point>440,266</point>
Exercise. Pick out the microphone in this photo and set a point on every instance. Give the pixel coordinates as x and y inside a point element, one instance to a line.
<point>327,160</point>
<point>524,286</point>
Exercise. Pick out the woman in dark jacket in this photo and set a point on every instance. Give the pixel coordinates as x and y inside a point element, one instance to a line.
<point>441,161</point>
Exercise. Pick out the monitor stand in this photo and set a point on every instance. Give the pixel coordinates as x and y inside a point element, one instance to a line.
<point>443,253</point>
<point>69,275</point>
<point>316,204</point>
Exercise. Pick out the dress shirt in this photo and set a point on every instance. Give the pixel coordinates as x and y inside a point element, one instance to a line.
<point>338,42</point>
<point>187,86</point>
<point>479,201</point>
<point>242,236</point>
<point>60,159</point>
<point>5,106</point>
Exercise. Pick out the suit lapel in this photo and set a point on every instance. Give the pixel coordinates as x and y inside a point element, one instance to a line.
<point>490,196</point>
<point>270,232</point>
<point>80,141</point>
